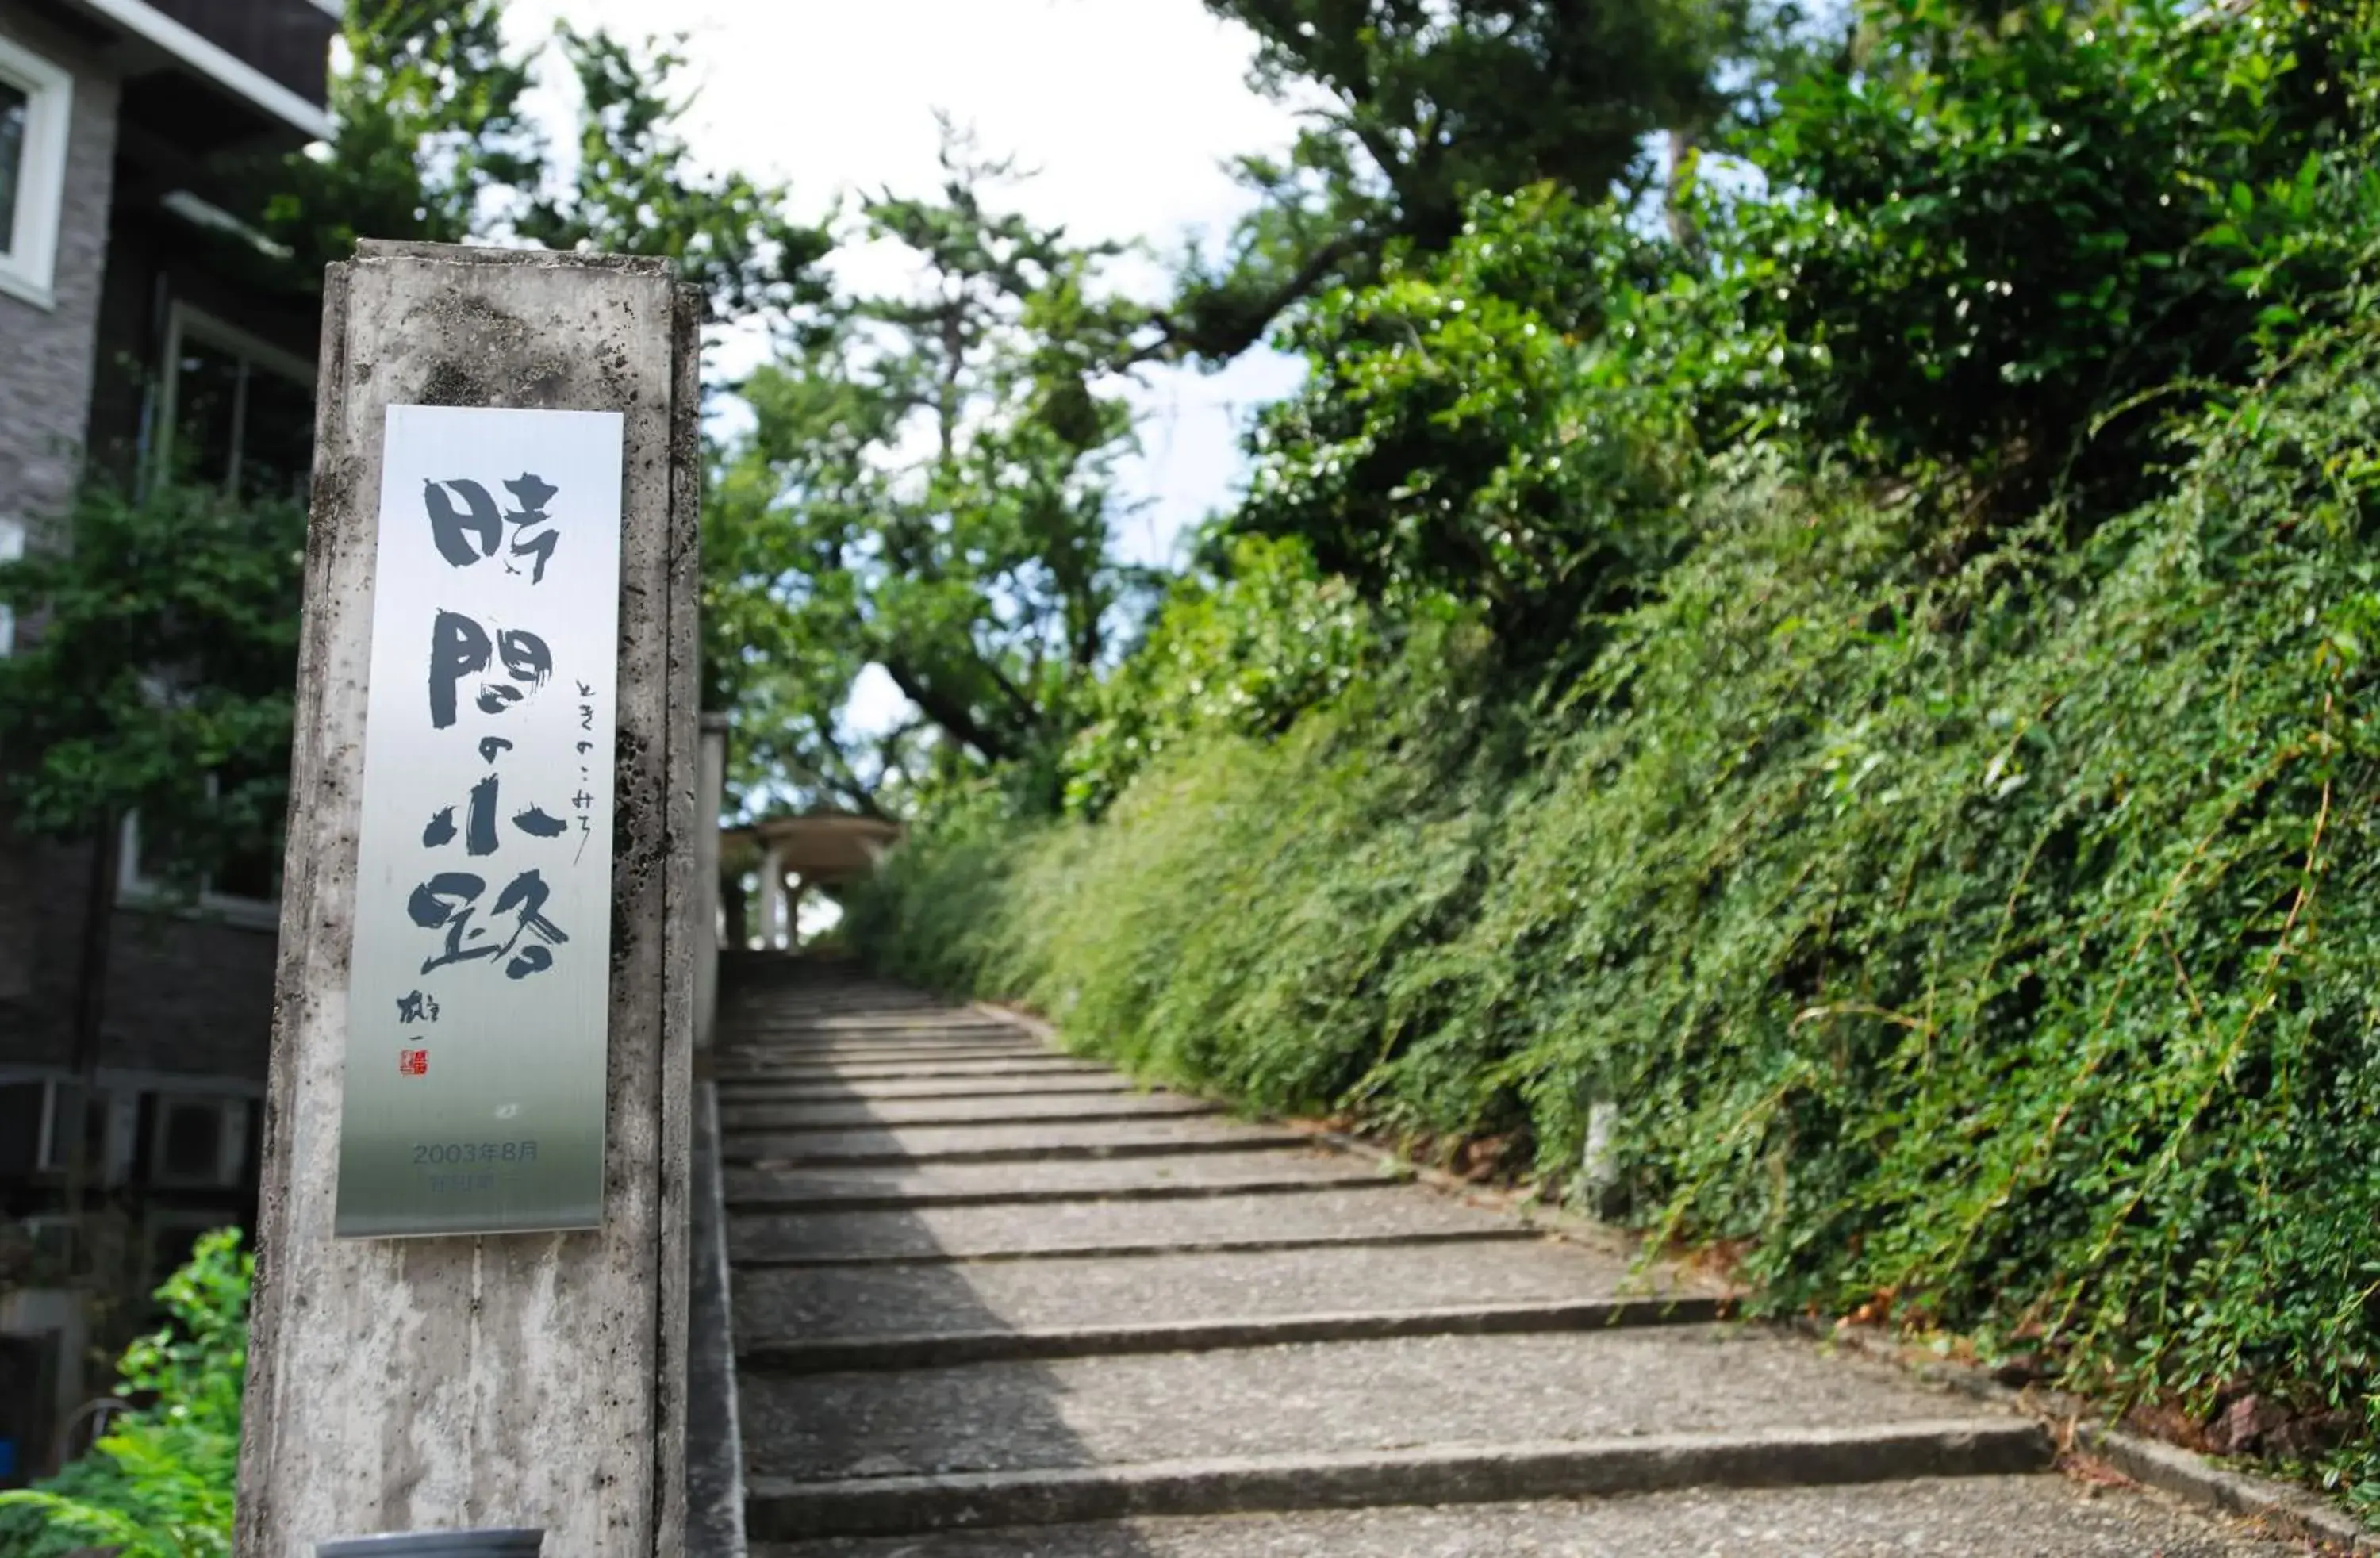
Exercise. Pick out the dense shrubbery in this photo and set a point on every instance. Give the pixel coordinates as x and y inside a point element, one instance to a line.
<point>1882,695</point>
<point>159,1484</point>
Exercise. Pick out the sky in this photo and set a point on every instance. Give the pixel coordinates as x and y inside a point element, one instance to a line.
<point>1126,110</point>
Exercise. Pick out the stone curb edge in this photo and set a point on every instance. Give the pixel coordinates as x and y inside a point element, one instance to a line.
<point>2168,1467</point>
<point>784,1510</point>
<point>2196,1480</point>
<point>714,1458</point>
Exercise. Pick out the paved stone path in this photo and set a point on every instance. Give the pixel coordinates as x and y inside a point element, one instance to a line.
<point>989,1301</point>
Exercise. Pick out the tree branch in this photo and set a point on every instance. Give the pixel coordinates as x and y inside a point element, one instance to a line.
<point>952,716</point>
<point>1178,337</point>
<point>1026,709</point>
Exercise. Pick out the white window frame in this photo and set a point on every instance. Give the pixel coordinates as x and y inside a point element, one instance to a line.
<point>231,1140</point>
<point>12,547</point>
<point>137,890</point>
<point>185,322</point>
<point>29,265</point>
<point>51,1154</point>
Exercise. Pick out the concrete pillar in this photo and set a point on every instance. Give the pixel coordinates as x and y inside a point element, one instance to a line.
<point>709,795</point>
<point>532,1379</point>
<point>776,912</point>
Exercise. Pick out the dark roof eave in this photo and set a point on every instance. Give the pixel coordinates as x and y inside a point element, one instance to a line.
<point>212,63</point>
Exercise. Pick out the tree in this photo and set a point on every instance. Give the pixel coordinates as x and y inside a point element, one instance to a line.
<point>636,190</point>
<point>1250,639</point>
<point>1418,104</point>
<point>159,679</point>
<point>1510,424</point>
<point>929,487</point>
<point>158,675</point>
<point>432,141</point>
<point>429,139</point>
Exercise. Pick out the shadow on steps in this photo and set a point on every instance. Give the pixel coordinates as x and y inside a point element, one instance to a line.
<point>821,1431</point>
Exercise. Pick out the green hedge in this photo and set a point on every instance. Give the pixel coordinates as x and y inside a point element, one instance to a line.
<point>1992,934</point>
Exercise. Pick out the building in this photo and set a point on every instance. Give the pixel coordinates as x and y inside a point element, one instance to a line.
<point>122,345</point>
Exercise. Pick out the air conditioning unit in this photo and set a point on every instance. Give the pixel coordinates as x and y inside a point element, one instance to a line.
<point>198,1141</point>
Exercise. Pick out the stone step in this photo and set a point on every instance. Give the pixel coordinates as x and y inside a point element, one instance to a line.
<point>781,1000</point>
<point>883,1055</point>
<point>750,1072</point>
<point>1487,1472</point>
<point>783,1005</point>
<point>768,1021</point>
<point>996,1109</point>
<point>1038,1141</point>
<point>994,1301</point>
<point>754,1036</point>
<point>1517,1234</point>
<point>1042,1065</point>
<point>1125,1179</point>
<point>1984,1516</point>
<point>1224,1222</point>
<point>1315,1398</point>
<point>829,1088</point>
<point>753,1028</point>
<point>1002,1344</point>
<point>818,1304</point>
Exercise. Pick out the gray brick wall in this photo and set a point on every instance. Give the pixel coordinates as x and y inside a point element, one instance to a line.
<point>46,372</point>
<point>182,994</point>
<point>44,888</point>
<point>45,385</point>
<point>189,995</point>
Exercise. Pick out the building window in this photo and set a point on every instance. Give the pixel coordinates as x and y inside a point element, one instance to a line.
<point>12,547</point>
<point>238,413</point>
<point>36,98</point>
<point>42,1118</point>
<point>198,1142</point>
<point>245,890</point>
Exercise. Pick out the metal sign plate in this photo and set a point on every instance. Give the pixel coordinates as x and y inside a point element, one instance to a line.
<point>480,989</point>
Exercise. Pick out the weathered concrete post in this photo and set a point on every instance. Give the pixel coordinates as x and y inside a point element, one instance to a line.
<point>498,1379</point>
<point>710,792</point>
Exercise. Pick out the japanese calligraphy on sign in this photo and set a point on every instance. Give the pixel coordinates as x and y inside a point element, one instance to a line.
<point>478,990</point>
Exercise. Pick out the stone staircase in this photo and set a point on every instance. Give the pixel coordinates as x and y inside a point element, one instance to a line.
<point>989,1299</point>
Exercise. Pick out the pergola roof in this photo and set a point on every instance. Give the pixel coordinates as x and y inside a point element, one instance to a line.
<point>818,846</point>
